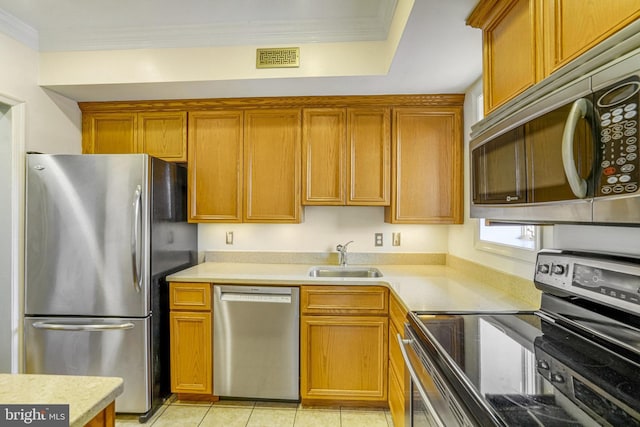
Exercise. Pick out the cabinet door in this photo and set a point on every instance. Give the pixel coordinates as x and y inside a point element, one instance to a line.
<point>324,147</point>
<point>215,166</point>
<point>272,166</point>
<point>163,135</point>
<point>512,52</point>
<point>191,363</point>
<point>343,358</point>
<point>369,156</point>
<point>109,133</point>
<point>575,26</point>
<point>427,166</point>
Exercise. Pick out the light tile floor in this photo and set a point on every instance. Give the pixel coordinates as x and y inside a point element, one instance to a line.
<point>232,413</point>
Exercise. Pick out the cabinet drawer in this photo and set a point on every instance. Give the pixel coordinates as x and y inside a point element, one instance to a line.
<point>397,314</point>
<point>344,300</point>
<point>190,296</point>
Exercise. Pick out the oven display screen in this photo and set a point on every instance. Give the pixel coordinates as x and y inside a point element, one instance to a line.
<point>617,285</point>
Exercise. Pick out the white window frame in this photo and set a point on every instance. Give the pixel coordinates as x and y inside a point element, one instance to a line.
<point>501,248</point>
<point>511,251</point>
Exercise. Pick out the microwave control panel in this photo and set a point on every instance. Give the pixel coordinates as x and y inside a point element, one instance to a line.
<point>616,113</point>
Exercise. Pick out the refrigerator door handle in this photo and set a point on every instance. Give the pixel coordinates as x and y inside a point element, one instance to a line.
<point>82,327</point>
<point>135,239</point>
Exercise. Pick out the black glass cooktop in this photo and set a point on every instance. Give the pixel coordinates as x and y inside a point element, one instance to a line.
<point>532,372</point>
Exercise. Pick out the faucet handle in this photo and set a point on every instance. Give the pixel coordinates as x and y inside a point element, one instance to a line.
<point>341,247</point>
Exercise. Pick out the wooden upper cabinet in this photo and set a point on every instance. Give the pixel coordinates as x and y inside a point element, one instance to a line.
<point>512,45</point>
<point>324,153</point>
<point>163,135</point>
<point>159,134</point>
<point>427,166</point>
<point>272,158</point>
<point>346,156</point>
<point>109,133</point>
<point>369,156</point>
<point>575,26</point>
<point>215,166</point>
<point>525,41</point>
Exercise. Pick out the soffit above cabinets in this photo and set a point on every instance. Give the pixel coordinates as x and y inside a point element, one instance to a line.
<point>70,25</point>
<point>95,50</point>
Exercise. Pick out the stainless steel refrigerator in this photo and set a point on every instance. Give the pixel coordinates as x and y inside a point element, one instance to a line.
<point>102,233</point>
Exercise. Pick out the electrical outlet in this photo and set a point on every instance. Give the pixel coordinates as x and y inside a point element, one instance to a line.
<point>395,239</point>
<point>229,238</point>
<point>378,239</point>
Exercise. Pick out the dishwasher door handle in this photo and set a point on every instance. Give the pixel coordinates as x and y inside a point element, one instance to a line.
<point>253,297</point>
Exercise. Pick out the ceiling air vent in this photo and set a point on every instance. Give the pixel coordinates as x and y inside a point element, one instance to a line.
<point>278,57</point>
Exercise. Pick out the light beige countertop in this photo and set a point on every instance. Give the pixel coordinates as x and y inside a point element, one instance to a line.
<point>86,396</point>
<point>419,287</point>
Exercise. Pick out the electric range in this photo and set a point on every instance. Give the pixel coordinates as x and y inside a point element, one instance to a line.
<point>574,362</point>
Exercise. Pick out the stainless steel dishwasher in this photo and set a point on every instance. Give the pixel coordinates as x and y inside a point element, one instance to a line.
<point>256,342</point>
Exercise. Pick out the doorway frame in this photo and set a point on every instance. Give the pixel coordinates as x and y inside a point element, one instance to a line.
<point>18,110</point>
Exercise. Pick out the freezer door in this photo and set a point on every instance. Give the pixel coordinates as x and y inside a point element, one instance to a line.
<point>96,347</point>
<point>87,235</point>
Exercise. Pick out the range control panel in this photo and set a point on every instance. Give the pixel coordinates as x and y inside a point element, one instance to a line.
<point>610,280</point>
<point>616,111</point>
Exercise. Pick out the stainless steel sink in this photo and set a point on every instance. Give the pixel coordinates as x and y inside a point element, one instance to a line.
<point>327,271</point>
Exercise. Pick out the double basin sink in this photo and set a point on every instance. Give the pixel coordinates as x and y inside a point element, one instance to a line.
<point>328,271</point>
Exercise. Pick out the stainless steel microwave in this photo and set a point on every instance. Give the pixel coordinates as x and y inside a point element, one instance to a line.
<point>570,156</point>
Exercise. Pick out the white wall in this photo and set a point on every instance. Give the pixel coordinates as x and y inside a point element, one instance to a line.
<point>622,240</point>
<point>323,228</point>
<point>462,237</point>
<point>36,120</point>
<point>625,240</point>
<point>54,122</point>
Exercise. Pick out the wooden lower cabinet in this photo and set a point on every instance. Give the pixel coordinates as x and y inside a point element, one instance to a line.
<point>104,418</point>
<point>344,347</point>
<point>191,339</point>
<point>398,378</point>
<point>344,358</point>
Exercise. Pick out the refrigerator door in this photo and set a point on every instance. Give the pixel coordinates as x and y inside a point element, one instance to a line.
<point>87,235</point>
<point>94,346</point>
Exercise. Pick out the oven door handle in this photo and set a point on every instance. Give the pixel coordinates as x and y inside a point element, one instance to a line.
<point>414,376</point>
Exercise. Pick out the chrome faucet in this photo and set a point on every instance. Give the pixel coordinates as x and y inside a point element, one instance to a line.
<point>342,253</point>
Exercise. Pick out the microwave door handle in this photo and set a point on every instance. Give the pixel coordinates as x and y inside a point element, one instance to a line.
<point>135,239</point>
<point>579,110</point>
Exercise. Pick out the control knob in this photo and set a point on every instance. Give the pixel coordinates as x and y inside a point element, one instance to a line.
<point>558,269</point>
<point>557,378</point>
<point>543,268</point>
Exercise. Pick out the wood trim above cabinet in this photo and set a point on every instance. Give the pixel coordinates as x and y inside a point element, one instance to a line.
<point>417,100</point>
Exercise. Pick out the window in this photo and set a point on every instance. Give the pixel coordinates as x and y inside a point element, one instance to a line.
<point>518,241</point>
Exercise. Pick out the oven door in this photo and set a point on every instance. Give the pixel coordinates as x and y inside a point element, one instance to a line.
<point>432,402</point>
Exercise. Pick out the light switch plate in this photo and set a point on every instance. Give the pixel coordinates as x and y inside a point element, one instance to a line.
<point>395,239</point>
<point>229,238</point>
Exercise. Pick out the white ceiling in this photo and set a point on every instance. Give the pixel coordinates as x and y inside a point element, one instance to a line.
<point>438,53</point>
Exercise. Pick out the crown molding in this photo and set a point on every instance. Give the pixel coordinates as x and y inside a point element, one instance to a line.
<point>18,30</point>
